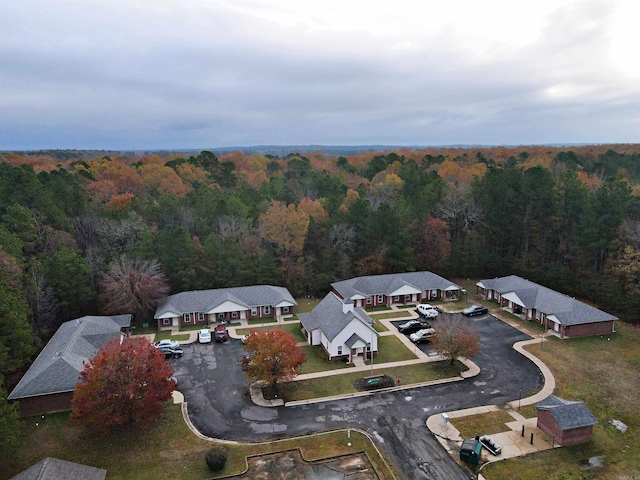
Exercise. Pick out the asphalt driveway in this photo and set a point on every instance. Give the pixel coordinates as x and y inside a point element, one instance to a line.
<point>218,400</point>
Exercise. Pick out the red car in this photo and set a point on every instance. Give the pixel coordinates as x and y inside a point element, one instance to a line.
<point>220,334</point>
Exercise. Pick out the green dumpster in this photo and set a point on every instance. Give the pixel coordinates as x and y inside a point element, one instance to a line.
<point>470,451</point>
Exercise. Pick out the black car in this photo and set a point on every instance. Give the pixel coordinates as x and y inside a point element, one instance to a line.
<point>171,352</point>
<point>413,326</point>
<point>475,310</point>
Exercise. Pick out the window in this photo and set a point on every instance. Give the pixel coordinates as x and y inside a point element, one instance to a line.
<point>380,298</point>
<point>254,311</point>
<point>285,309</point>
<point>201,316</point>
<point>187,318</point>
<point>369,300</point>
<point>166,321</point>
<point>266,309</point>
<point>339,350</point>
<point>221,316</point>
<point>396,298</point>
<point>234,314</point>
<point>407,298</point>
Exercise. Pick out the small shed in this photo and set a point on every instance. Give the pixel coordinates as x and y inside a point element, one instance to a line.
<point>565,421</point>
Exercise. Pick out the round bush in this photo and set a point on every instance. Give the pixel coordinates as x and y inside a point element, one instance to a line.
<point>216,458</point>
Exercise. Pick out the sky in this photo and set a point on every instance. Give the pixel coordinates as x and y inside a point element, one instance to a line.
<point>190,74</point>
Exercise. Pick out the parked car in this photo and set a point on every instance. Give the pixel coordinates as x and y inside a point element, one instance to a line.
<point>427,310</point>
<point>167,343</point>
<point>204,335</point>
<point>491,445</point>
<point>220,334</point>
<point>170,352</point>
<point>422,335</point>
<point>475,310</point>
<point>413,326</point>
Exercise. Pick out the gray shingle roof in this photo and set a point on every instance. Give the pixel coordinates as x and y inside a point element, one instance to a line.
<point>57,367</point>
<point>568,414</point>
<point>567,310</point>
<point>328,317</point>
<point>55,469</point>
<point>206,300</point>
<point>387,284</point>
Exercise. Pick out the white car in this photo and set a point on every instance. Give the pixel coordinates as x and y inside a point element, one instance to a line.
<point>422,335</point>
<point>167,344</point>
<point>204,335</point>
<point>427,310</point>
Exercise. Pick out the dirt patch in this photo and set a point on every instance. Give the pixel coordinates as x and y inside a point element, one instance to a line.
<point>289,465</point>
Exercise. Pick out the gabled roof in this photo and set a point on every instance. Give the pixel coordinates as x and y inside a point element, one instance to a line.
<point>207,300</point>
<point>568,414</point>
<point>567,310</point>
<point>330,317</point>
<point>353,339</point>
<point>55,469</point>
<point>60,362</point>
<point>389,283</point>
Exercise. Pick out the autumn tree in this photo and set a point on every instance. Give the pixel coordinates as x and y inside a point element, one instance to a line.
<point>124,384</point>
<point>273,356</point>
<point>434,245</point>
<point>454,339</point>
<point>132,286</point>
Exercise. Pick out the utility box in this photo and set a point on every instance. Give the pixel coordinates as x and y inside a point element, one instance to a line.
<point>471,450</point>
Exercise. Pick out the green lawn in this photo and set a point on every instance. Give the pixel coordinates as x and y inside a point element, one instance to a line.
<point>379,327</point>
<point>390,316</point>
<point>604,373</point>
<point>292,328</point>
<point>258,321</point>
<point>343,384</point>
<point>165,449</point>
<point>483,424</point>
<point>318,361</point>
<point>305,305</point>
<point>392,350</point>
<point>166,334</point>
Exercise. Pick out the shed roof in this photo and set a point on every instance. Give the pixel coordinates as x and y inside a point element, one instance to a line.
<point>568,414</point>
<point>56,469</point>
<point>57,368</point>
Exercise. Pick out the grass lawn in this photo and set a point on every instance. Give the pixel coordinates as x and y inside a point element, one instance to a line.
<point>379,327</point>
<point>317,360</point>
<point>164,449</point>
<point>343,383</point>
<point>305,305</point>
<point>483,424</point>
<point>605,375</point>
<point>258,321</point>
<point>392,350</point>
<point>166,334</point>
<point>292,328</point>
<point>390,316</point>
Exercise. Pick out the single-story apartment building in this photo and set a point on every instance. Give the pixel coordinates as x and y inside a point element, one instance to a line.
<point>396,289</point>
<point>49,383</point>
<point>205,307</point>
<point>343,330</point>
<point>566,422</point>
<point>564,315</point>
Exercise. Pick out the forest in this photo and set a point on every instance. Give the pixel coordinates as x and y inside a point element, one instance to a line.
<point>568,218</point>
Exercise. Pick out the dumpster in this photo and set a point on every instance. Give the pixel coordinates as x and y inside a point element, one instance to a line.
<point>470,450</point>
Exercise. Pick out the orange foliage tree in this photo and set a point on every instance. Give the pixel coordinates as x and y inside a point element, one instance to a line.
<point>314,209</point>
<point>455,339</point>
<point>285,226</point>
<point>273,356</point>
<point>123,384</point>
<point>434,246</point>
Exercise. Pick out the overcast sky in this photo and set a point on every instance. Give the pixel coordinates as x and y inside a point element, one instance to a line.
<point>152,74</point>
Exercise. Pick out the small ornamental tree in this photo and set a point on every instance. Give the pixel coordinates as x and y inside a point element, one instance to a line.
<point>124,384</point>
<point>454,339</point>
<point>273,356</point>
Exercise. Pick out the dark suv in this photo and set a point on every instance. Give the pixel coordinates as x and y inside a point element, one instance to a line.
<point>220,334</point>
<point>413,326</point>
<point>171,352</point>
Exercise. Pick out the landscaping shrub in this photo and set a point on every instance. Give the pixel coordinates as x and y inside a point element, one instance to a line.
<point>216,458</point>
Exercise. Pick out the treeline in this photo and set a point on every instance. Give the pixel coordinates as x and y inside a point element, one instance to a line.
<point>568,219</point>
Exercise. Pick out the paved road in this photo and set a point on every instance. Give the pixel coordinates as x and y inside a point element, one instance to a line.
<point>219,405</point>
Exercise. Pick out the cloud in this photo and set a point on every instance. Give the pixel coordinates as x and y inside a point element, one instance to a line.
<point>139,74</point>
